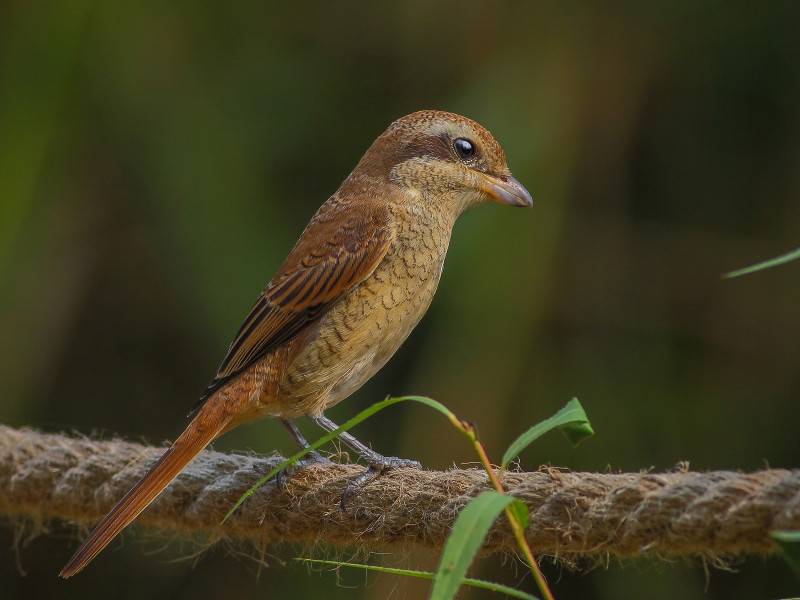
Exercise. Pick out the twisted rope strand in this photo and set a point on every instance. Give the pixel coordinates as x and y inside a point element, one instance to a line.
<point>718,513</point>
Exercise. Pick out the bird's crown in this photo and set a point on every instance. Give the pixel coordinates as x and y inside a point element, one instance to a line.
<point>441,153</point>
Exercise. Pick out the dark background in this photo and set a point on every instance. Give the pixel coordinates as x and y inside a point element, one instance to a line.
<point>157,163</point>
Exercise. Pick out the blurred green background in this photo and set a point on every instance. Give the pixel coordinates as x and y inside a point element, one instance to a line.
<point>158,161</point>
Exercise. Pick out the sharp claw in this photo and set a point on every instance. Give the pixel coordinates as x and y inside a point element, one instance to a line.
<point>312,458</point>
<point>373,471</point>
<point>281,479</point>
<point>355,485</point>
<point>315,458</point>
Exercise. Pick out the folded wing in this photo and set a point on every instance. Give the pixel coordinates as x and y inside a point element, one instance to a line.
<point>339,249</point>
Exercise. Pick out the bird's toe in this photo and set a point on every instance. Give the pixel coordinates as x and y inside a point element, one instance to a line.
<point>313,458</point>
<point>394,462</point>
<point>373,471</point>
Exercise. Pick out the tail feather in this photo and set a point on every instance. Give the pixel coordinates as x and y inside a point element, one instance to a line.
<point>207,425</point>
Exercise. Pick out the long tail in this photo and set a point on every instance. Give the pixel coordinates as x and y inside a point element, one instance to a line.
<point>212,420</point>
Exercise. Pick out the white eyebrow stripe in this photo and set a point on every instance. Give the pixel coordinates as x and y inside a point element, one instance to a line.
<point>440,126</point>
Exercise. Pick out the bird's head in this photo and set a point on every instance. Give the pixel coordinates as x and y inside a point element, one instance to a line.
<point>445,156</point>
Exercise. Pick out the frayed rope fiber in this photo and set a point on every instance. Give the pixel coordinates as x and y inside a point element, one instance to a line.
<point>709,514</point>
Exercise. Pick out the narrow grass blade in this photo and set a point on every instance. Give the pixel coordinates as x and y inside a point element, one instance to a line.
<point>468,581</point>
<point>363,415</point>
<point>789,541</point>
<point>767,264</point>
<point>469,531</point>
<point>571,419</point>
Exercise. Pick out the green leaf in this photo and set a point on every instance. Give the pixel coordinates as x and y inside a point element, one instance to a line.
<point>469,531</point>
<point>789,542</point>
<point>772,262</point>
<point>363,415</point>
<point>520,512</point>
<point>477,583</point>
<point>571,419</point>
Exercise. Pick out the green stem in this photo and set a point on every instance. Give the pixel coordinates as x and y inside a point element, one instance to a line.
<point>516,527</point>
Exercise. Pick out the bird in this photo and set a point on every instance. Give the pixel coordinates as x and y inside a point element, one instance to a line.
<point>359,279</point>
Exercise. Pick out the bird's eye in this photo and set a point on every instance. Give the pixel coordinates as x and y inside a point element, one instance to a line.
<point>464,148</point>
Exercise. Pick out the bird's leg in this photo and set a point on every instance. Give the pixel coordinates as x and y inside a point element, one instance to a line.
<point>372,458</point>
<point>310,458</point>
<point>302,442</point>
<point>377,463</point>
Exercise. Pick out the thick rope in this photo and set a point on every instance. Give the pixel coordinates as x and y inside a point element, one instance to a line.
<point>709,514</point>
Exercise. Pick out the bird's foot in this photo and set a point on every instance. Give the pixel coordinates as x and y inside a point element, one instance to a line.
<point>375,469</point>
<point>310,459</point>
<point>393,462</point>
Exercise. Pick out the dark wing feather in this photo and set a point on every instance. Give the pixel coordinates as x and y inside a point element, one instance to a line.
<point>339,249</point>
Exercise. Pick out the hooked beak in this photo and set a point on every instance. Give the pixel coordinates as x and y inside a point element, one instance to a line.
<point>506,190</point>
